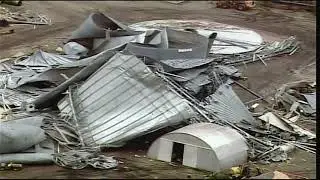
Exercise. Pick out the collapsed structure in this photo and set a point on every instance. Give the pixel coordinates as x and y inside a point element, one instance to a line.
<point>116,83</point>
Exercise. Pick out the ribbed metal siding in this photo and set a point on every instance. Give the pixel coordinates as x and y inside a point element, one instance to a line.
<point>122,100</point>
<point>226,105</point>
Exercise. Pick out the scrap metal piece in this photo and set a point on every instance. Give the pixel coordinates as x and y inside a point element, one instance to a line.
<point>184,49</point>
<point>226,105</point>
<point>230,39</point>
<point>27,158</point>
<point>96,25</point>
<point>299,130</point>
<point>229,70</point>
<point>195,84</point>
<point>19,137</point>
<point>32,121</point>
<point>181,64</point>
<point>206,146</point>
<point>114,43</point>
<point>79,159</point>
<point>182,45</point>
<point>53,76</point>
<point>38,154</point>
<point>311,98</point>
<point>46,100</point>
<point>188,74</point>
<point>288,99</point>
<point>269,117</point>
<point>44,59</point>
<point>12,97</point>
<point>122,100</point>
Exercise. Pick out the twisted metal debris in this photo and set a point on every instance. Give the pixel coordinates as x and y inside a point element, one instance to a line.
<point>79,159</point>
<point>112,97</point>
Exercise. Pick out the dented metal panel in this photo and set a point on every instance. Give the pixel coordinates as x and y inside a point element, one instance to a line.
<point>122,100</point>
<point>44,59</point>
<point>226,105</point>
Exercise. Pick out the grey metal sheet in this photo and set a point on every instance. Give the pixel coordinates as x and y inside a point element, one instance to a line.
<point>311,98</point>
<point>179,64</point>
<point>18,137</point>
<point>96,25</point>
<point>52,75</point>
<point>86,61</point>
<point>122,100</point>
<point>27,158</point>
<point>14,97</point>
<point>228,70</point>
<point>44,59</point>
<point>113,43</point>
<point>181,45</point>
<point>188,74</point>
<point>196,83</point>
<point>226,105</point>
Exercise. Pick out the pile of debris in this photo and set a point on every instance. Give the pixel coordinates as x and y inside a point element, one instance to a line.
<point>8,18</point>
<point>116,83</point>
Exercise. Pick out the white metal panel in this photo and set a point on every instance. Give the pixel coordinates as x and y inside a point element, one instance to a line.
<point>165,152</point>
<point>222,141</point>
<point>189,156</point>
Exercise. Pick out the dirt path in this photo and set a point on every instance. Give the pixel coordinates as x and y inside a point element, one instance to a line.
<point>273,23</point>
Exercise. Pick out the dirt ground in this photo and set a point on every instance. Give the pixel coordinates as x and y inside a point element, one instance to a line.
<point>272,23</point>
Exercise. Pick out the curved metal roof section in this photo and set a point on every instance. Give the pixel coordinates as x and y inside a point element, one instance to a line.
<point>212,134</point>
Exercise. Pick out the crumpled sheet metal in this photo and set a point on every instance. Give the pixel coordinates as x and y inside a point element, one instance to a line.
<point>230,39</point>
<point>184,49</point>
<point>44,59</point>
<point>11,80</point>
<point>85,61</point>
<point>196,83</point>
<point>18,137</point>
<point>38,154</point>
<point>181,64</point>
<point>32,121</point>
<point>95,26</point>
<point>13,97</point>
<point>27,158</point>
<point>61,131</point>
<point>188,74</point>
<point>114,43</point>
<point>311,98</point>
<point>122,100</point>
<point>77,159</point>
<point>287,100</point>
<point>228,70</point>
<point>270,118</point>
<point>226,105</point>
<point>54,76</point>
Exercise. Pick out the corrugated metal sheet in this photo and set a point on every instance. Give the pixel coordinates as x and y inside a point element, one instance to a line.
<point>14,97</point>
<point>226,105</point>
<point>122,100</point>
<point>40,58</point>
